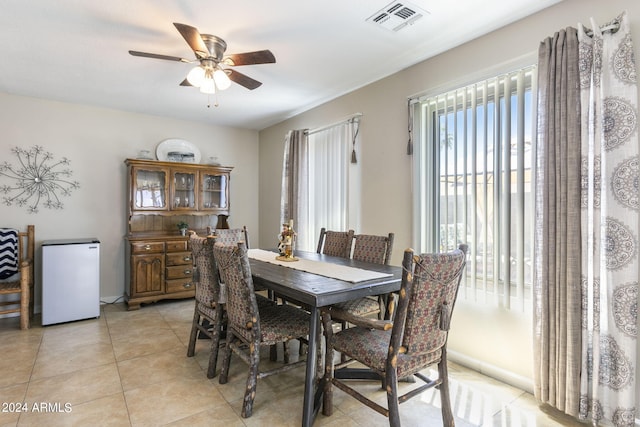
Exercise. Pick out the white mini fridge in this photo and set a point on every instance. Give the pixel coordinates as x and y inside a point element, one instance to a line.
<point>70,280</point>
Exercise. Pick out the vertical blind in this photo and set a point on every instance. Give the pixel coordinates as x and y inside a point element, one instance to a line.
<point>473,164</point>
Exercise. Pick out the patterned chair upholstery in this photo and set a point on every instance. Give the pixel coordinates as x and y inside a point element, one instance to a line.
<point>209,317</point>
<point>231,236</point>
<point>17,262</point>
<point>374,249</point>
<point>250,325</point>
<point>415,340</point>
<point>209,301</point>
<point>335,243</point>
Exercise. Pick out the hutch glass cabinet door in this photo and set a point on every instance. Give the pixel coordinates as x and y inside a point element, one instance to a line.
<point>215,192</point>
<point>184,190</point>
<point>149,189</point>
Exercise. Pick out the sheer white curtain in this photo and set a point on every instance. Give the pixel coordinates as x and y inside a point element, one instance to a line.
<point>321,181</point>
<point>610,217</point>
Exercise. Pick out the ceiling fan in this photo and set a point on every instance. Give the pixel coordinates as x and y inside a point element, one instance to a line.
<point>212,73</point>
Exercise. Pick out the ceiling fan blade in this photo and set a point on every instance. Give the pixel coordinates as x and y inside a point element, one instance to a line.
<point>193,38</point>
<point>158,56</point>
<point>243,80</point>
<point>185,82</point>
<point>249,58</point>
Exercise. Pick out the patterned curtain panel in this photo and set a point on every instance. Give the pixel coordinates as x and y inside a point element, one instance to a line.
<point>607,214</point>
<point>610,215</point>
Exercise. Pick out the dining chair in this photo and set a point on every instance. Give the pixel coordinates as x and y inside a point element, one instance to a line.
<point>231,236</point>
<point>413,341</point>
<point>209,300</point>
<point>335,243</point>
<point>250,325</point>
<point>209,317</point>
<point>17,249</point>
<point>377,250</point>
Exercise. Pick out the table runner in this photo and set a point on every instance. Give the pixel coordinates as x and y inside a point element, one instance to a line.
<point>335,271</point>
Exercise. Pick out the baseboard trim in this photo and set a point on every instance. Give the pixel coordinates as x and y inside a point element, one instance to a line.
<point>507,377</point>
<point>111,300</point>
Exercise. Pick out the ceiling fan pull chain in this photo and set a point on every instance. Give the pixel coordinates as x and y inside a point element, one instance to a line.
<point>209,100</point>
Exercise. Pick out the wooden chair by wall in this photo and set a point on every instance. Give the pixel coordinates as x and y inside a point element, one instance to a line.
<point>20,285</point>
<point>415,340</point>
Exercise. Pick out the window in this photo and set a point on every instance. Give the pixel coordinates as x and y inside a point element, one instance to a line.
<point>474,160</point>
<point>333,187</point>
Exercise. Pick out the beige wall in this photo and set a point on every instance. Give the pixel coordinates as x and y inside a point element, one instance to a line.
<point>494,341</point>
<point>97,141</point>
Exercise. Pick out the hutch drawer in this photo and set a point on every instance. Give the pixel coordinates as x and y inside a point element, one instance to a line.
<point>179,258</point>
<point>147,247</point>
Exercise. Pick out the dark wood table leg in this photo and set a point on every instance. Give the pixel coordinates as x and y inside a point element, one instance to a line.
<point>309,410</point>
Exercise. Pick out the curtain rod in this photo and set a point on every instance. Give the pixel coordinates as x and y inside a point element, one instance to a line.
<point>613,27</point>
<point>343,121</point>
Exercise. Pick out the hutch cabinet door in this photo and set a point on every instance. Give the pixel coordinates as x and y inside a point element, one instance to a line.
<point>148,274</point>
<point>149,188</point>
<point>215,191</point>
<point>184,192</point>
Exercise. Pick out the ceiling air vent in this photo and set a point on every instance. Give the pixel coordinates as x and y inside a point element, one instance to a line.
<point>397,15</point>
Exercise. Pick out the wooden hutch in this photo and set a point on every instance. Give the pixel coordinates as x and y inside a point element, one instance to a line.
<point>161,194</point>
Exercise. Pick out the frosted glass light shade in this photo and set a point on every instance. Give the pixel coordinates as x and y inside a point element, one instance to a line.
<point>208,86</point>
<point>196,76</point>
<point>221,79</point>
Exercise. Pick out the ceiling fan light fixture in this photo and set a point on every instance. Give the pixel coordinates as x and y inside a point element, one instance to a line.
<point>222,80</point>
<point>208,86</point>
<point>196,76</point>
<point>210,52</point>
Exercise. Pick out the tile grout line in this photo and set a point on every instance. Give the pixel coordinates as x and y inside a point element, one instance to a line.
<point>124,397</point>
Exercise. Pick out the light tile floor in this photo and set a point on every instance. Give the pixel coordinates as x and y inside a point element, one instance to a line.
<point>129,368</point>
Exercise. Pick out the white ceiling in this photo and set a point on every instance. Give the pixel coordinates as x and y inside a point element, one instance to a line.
<point>77,50</point>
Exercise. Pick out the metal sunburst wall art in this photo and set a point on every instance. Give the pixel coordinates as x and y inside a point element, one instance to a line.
<point>37,178</point>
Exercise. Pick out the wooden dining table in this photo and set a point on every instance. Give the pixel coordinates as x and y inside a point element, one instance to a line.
<point>315,291</point>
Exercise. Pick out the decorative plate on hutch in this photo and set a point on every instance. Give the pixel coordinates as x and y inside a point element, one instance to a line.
<point>177,150</point>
